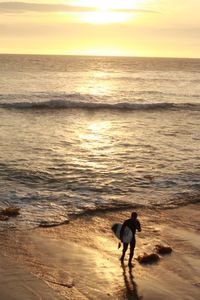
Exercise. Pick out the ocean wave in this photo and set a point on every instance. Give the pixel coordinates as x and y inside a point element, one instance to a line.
<point>109,207</point>
<point>159,93</point>
<point>181,199</point>
<point>67,104</point>
<point>46,209</point>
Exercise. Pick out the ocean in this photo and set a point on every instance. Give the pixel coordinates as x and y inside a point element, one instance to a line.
<point>83,134</point>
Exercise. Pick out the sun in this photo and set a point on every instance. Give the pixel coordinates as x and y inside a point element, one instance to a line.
<point>104,17</point>
<point>108,11</point>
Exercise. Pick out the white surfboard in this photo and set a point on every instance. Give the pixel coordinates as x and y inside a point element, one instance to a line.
<point>127,236</point>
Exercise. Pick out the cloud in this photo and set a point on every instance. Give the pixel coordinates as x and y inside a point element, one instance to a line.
<point>21,7</point>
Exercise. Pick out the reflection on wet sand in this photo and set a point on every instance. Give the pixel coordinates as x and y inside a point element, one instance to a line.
<point>130,291</point>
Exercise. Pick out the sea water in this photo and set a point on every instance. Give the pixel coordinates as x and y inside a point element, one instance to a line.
<point>83,134</point>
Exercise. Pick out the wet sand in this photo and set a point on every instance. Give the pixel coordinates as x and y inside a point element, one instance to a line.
<point>80,260</point>
<point>18,283</point>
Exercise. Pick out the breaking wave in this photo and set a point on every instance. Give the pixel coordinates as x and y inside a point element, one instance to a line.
<point>68,104</point>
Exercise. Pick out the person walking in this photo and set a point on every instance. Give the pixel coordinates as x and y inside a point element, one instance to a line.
<point>133,224</point>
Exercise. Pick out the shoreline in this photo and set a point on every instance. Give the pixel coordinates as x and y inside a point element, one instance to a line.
<point>80,260</point>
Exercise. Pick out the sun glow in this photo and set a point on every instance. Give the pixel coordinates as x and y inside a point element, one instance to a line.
<point>105,17</point>
<point>108,11</point>
<point>101,27</point>
<point>109,4</point>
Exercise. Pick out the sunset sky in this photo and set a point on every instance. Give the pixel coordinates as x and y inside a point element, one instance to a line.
<point>164,28</point>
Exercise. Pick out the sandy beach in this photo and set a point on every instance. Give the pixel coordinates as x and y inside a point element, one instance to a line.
<point>80,260</point>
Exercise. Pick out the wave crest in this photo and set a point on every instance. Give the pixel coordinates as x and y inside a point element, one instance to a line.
<point>68,104</point>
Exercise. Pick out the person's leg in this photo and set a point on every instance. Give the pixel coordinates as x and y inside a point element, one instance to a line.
<point>132,247</point>
<point>125,247</point>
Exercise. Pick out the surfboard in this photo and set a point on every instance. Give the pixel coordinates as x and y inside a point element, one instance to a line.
<point>127,236</point>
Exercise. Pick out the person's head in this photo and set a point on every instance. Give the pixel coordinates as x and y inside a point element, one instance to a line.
<point>134,215</point>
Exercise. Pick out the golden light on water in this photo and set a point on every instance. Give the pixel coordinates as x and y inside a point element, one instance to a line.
<point>95,141</point>
<point>98,84</point>
<point>97,128</point>
<point>95,134</point>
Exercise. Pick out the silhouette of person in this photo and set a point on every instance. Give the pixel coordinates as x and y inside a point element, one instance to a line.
<point>134,224</point>
<point>130,285</point>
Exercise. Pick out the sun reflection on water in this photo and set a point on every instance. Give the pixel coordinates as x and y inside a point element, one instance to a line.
<point>95,143</point>
<point>97,85</point>
<point>95,135</point>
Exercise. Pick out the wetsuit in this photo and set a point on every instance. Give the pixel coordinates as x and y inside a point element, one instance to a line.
<point>134,225</point>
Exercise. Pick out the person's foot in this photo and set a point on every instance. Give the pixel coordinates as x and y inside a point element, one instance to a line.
<point>130,265</point>
<point>122,260</point>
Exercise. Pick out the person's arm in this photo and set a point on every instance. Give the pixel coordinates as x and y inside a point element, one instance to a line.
<point>138,226</point>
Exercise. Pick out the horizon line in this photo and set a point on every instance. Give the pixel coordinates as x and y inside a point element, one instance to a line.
<point>96,55</point>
